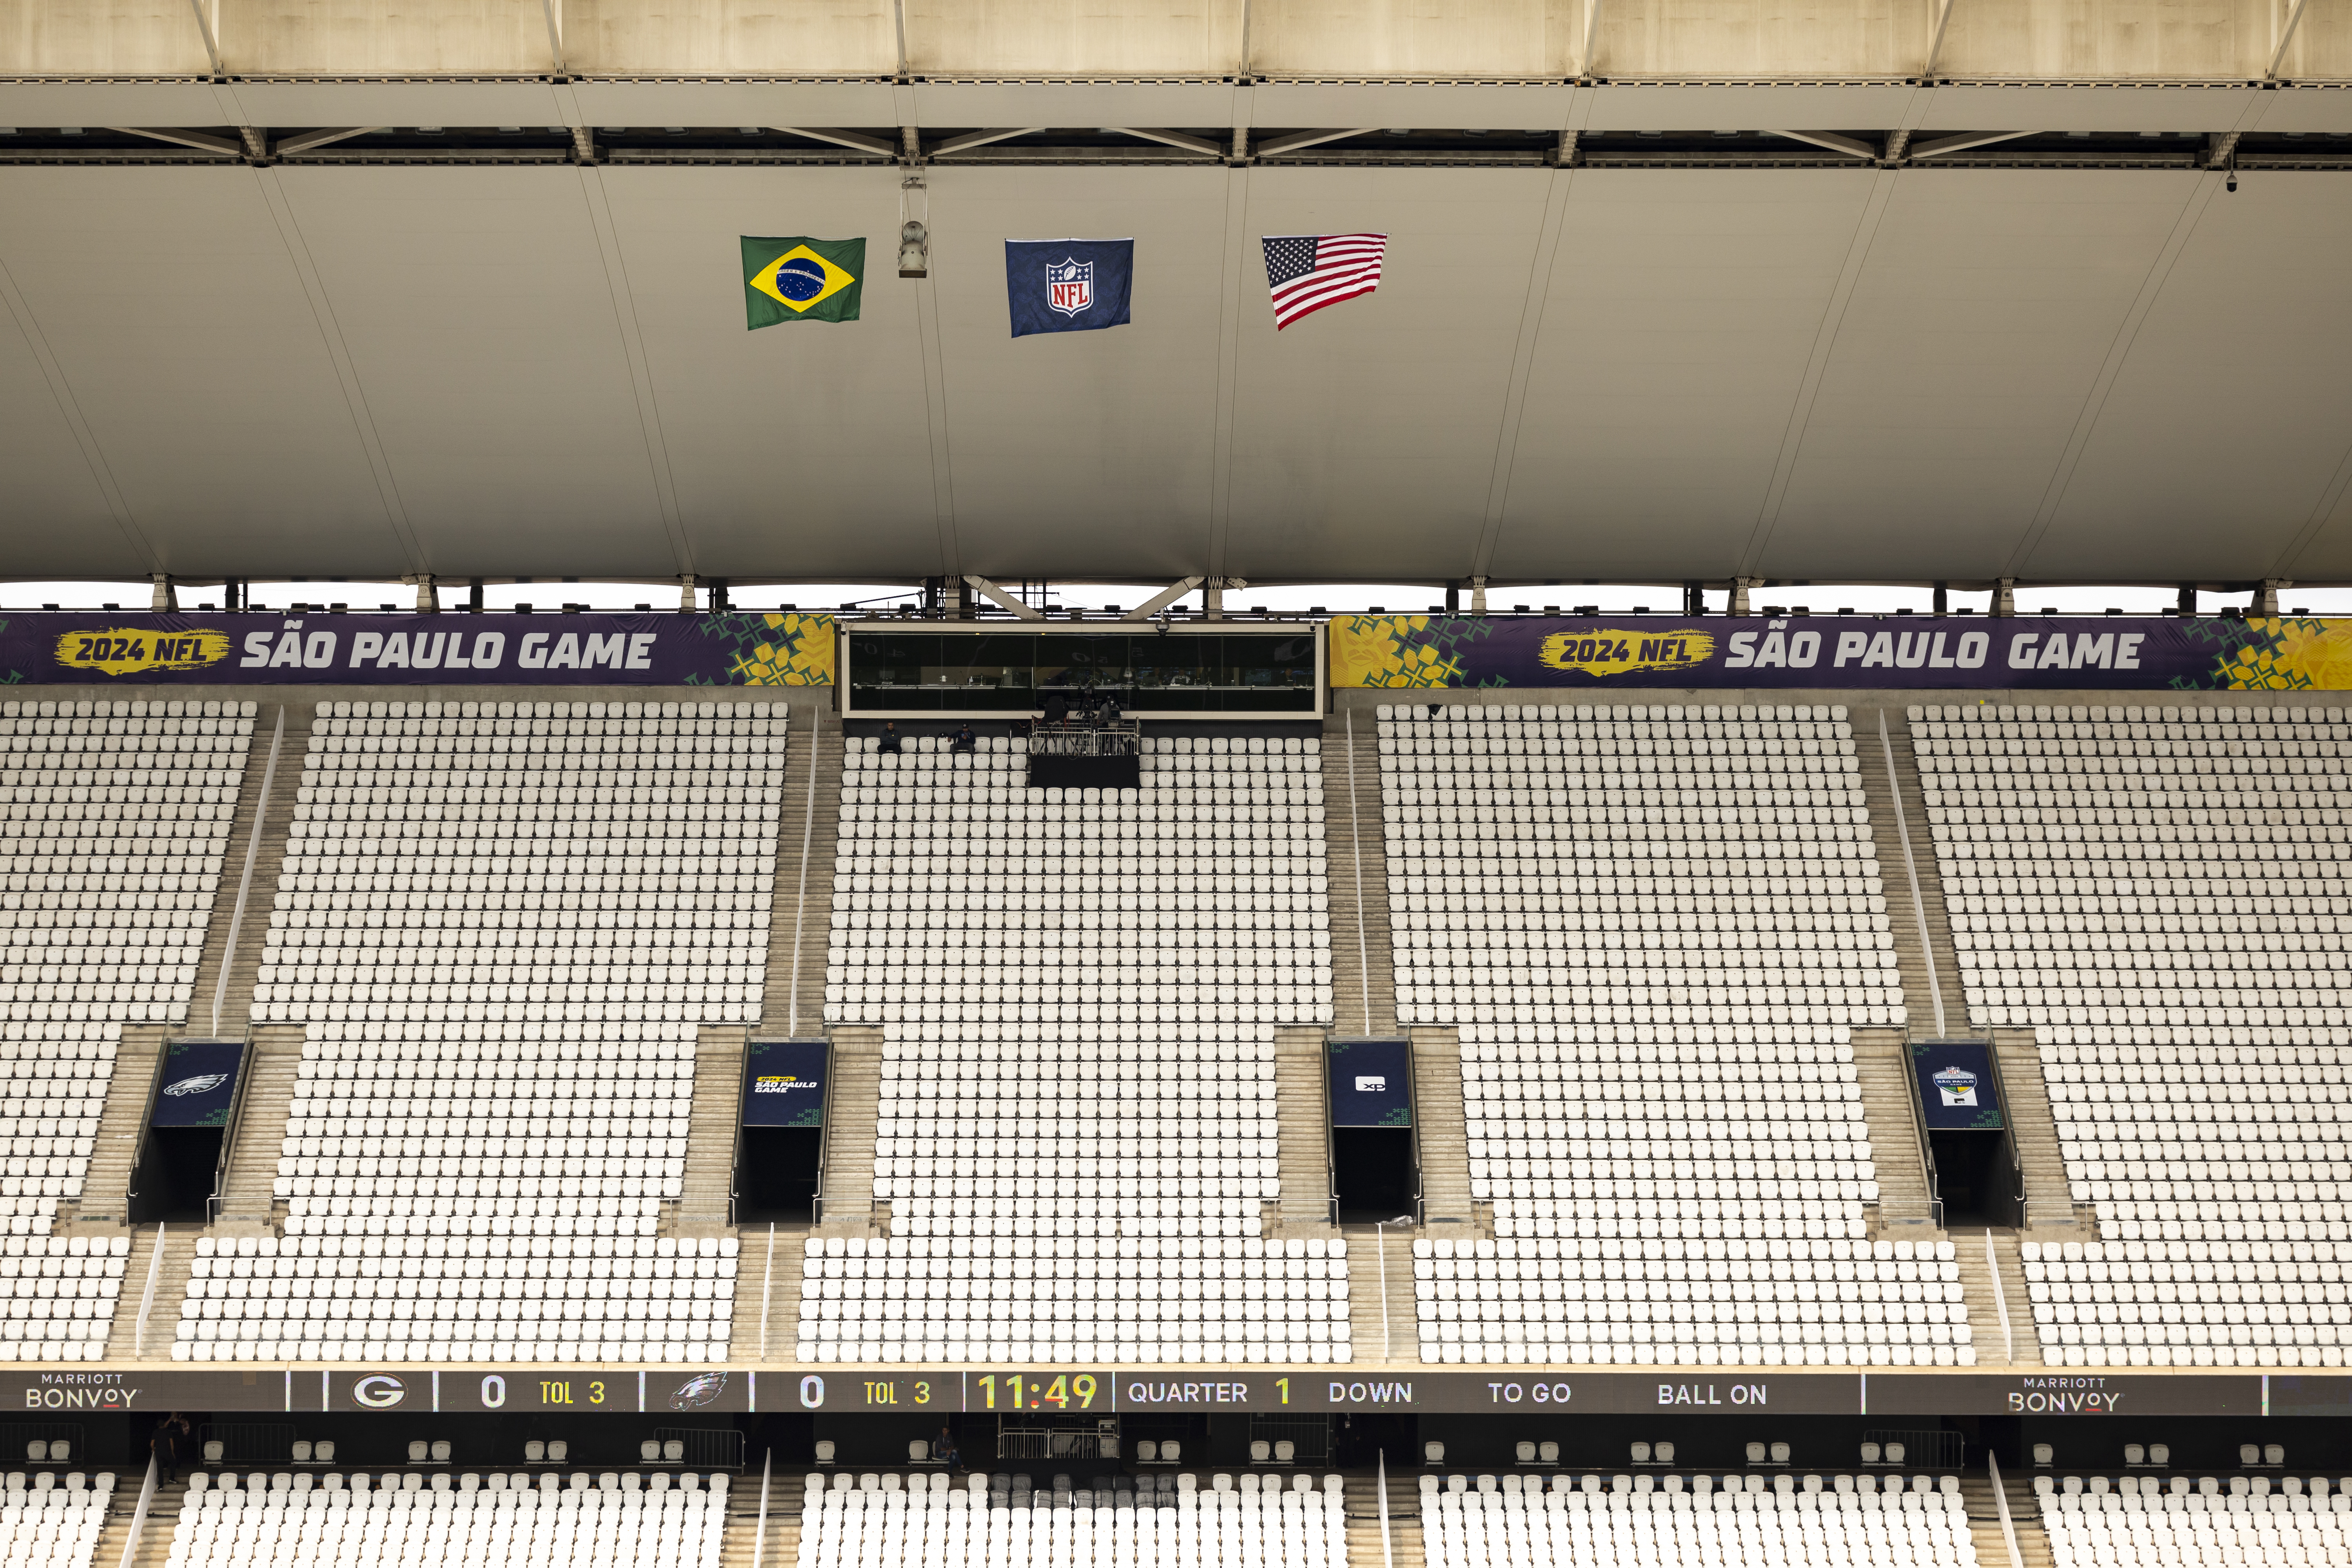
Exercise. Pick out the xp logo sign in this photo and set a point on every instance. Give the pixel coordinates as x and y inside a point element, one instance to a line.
<point>379,1392</point>
<point>1070,286</point>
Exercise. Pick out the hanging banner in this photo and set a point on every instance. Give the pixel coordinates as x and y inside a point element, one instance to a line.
<point>1957,1090</point>
<point>258,647</point>
<point>1816,652</point>
<point>1371,1083</point>
<point>199,1083</point>
<point>783,1083</point>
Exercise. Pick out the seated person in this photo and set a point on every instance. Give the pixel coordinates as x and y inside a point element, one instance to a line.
<point>889,741</point>
<point>965,740</point>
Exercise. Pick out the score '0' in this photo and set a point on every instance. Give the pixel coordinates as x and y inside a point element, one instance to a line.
<point>494,1392</point>
<point>811,1392</point>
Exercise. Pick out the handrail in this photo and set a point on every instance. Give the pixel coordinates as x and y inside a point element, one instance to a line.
<point>1999,1300</point>
<point>759,1537</point>
<point>800,900</point>
<point>768,1290</point>
<point>229,1128</point>
<point>147,1299</point>
<point>139,1512</point>
<point>2008,1119</point>
<point>146,1133</point>
<point>1413,1104</point>
<point>1920,1132</point>
<point>1911,870</point>
<point>1388,1551</point>
<point>1330,1160</point>
<point>2000,1500</point>
<point>1356,860</point>
<point>825,1141</point>
<point>245,882</point>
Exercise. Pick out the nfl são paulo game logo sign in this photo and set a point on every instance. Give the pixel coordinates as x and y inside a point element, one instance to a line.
<point>1067,285</point>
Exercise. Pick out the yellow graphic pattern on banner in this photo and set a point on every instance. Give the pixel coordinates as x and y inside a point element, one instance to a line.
<point>132,650</point>
<point>2302,655</point>
<point>1602,654</point>
<point>830,279</point>
<point>1378,651</point>
<point>799,653</point>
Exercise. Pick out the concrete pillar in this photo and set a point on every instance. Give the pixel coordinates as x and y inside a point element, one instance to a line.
<point>1213,598</point>
<point>165,597</point>
<point>428,597</point>
<point>1740,587</point>
<point>1477,596</point>
<point>2266,597</point>
<point>2004,597</point>
<point>685,595</point>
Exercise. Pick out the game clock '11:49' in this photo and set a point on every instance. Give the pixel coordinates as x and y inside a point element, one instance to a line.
<point>1038,1390</point>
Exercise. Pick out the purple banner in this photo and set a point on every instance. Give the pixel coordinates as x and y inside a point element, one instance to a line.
<point>265,649</point>
<point>2047,652</point>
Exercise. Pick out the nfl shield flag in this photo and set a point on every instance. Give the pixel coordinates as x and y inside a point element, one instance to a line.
<point>1067,285</point>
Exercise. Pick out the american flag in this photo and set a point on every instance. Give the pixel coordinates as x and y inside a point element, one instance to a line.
<point>1306,272</point>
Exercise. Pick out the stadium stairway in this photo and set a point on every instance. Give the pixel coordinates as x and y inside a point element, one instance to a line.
<point>1979,1272</point>
<point>1444,1140</point>
<point>249,1191</point>
<point>705,1204</point>
<point>1881,1063</point>
<point>1364,964</point>
<point>1305,1145</point>
<point>849,1140</point>
<point>1365,1323</point>
<point>107,1185</point>
<point>244,965</point>
<point>2050,1207</point>
<point>752,1286</point>
<point>741,1547</point>
<point>1931,970</point>
<point>179,1247</point>
<point>162,1512</point>
<point>1984,1522</point>
<point>1360,1494</point>
<point>809,833</point>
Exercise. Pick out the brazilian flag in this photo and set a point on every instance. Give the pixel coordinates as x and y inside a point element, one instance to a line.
<point>802,280</point>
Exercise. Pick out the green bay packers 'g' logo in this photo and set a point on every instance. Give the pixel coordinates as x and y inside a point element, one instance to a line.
<point>122,650</point>
<point>381,1392</point>
<point>1603,653</point>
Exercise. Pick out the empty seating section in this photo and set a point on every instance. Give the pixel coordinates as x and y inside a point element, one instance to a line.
<point>52,1520</point>
<point>1654,930</point>
<point>1698,872</point>
<point>1152,1521</point>
<point>113,820</point>
<point>1677,1204</point>
<point>500,1298</point>
<point>1079,991</point>
<point>962,895</point>
<point>2175,872</point>
<point>460,1129</point>
<point>1623,1139</point>
<point>504,923</point>
<point>1097,1127</point>
<point>2143,1522</point>
<point>1707,1303</point>
<point>1036,1292</point>
<point>525,1521</point>
<point>475,862</point>
<point>58,1295</point>
<point>1849,1521</point>
<point>53,1082</point>
<point>2191,1303</point>
<point>2205,1142</point>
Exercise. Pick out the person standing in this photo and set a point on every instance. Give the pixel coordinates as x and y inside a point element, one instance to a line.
<point>175,1441</point>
